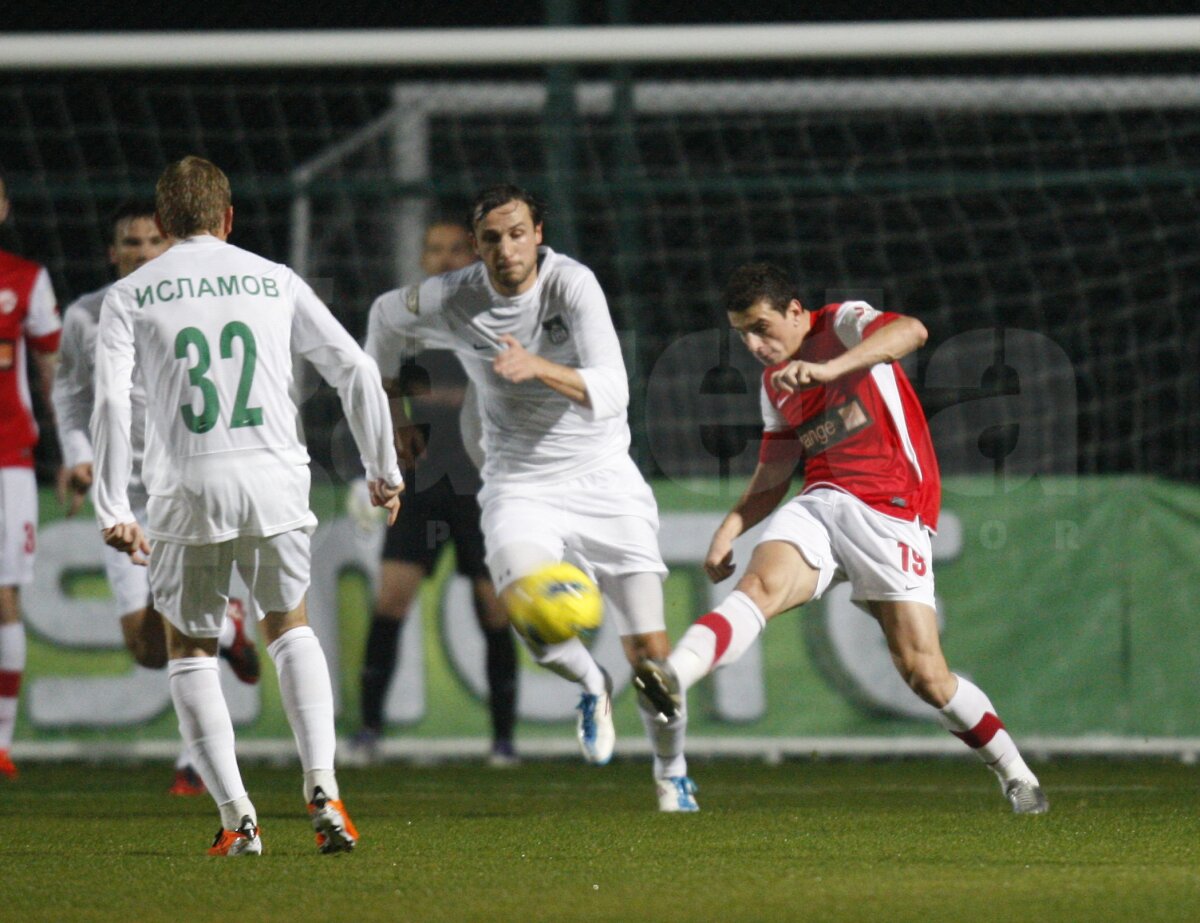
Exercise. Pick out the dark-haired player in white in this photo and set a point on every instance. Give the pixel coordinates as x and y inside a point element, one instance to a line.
<point>835,399</point>
<point>533,331</point>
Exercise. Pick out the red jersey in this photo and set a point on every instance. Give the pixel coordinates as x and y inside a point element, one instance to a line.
<point>28,314</point>
<point>864,433</point>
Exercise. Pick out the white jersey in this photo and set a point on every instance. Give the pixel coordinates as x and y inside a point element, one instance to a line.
<point>75,390</point>
<point>530,432</point>
<point>213,329</point>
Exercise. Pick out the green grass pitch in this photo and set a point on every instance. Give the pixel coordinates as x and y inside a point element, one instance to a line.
<point>873,841</point>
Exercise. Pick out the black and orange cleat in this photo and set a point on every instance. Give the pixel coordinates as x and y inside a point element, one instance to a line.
<point>8,768</point>
<point>335,830</point>
<point>241,655</point>
<point>244,841</point>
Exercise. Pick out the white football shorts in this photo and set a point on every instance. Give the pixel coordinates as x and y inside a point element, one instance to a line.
<point>191,582</point>
<point>885,559</point>
<point>129,582</point>
<point>605,521</point>
<point>18,525</point>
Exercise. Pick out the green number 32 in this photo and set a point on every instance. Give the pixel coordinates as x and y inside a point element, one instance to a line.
<point>206,419</point>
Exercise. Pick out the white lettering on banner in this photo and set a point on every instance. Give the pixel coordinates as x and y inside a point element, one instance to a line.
<point>845,643</point>
<point>73,547</point>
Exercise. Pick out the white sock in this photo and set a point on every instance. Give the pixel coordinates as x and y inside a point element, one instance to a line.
<point>233,811</point>
<point>206,728</point>
<point>572,660</point>
<point>12,668</point>
<point>184,759</point>
<point>228,633</point>
<point>971,717</point>
<point>323,779</point>
<point>307,697</point>
<point>667,742</point>
<point>718,638</point>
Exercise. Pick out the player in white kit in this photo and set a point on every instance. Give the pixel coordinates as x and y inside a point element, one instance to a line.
<point>134,241</point>
<point>212,330</point>
<point>533,331</point>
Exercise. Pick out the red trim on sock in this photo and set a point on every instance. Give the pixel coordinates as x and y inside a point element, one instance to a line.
<point>719,626</point>
<point>981,735</point>
<point>10,683</point>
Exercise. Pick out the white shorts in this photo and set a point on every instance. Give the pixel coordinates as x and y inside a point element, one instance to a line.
<point>605,521</point>
<point>129,582</point>
<point>885,559</point>
<point>191,582</point>
<point>18,525</point>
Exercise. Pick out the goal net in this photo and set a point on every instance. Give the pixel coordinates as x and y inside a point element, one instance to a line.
<point>1044,229</point>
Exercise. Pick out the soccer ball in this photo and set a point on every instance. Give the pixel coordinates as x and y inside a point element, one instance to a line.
<point>555,603</point>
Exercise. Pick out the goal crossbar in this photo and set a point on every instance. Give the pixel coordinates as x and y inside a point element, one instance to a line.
<point>600,44</point>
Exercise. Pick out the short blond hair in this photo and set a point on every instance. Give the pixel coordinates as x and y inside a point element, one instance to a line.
<point>192,197</point>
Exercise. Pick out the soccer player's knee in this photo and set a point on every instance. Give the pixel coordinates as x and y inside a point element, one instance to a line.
<point>927,677</point>
<point>764,588</point>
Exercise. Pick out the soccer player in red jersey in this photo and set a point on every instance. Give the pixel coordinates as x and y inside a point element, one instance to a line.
<point>835,399</point>
<point>28,324</point>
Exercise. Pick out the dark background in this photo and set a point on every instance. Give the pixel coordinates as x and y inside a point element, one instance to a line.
<point>1080,227</point>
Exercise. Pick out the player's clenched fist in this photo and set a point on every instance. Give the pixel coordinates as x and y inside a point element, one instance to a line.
<point>515,363</point>
<point>800,374</point>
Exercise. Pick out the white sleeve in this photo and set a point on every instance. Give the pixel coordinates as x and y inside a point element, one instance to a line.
<point>42,319</point>
<point>74,393</point>
<point>600,362</point>
<point>773,420</point>
<point>399,321</point>
<point>851,320</point>
<point>319,338</point>
<point>111,417</point>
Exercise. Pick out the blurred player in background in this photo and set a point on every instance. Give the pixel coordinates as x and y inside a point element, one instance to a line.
<point>834,397</point>
<point>28,324</point>
<point>212,330</point>
<point>440,506</point>
<point>134,239</point>
<point>533,331</point>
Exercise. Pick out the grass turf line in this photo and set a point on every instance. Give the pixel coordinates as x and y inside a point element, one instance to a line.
<point>896,841</point>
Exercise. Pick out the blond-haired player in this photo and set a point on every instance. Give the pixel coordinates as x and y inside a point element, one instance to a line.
<point>134,240</point>
<point>212,329</point>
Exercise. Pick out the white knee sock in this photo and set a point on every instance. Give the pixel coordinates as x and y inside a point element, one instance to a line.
<point>718,638</point>
<point>12,668</point>
<point>971,717</point>
<point>667,742</point>
<point>571,660</point>
<point>207,731</point>
<point>308,701</point>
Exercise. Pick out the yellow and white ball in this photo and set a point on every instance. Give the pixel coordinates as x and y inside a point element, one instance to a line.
<point>555,603</point>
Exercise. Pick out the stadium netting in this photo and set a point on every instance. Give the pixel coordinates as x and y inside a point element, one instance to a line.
<point>1044,229</point>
